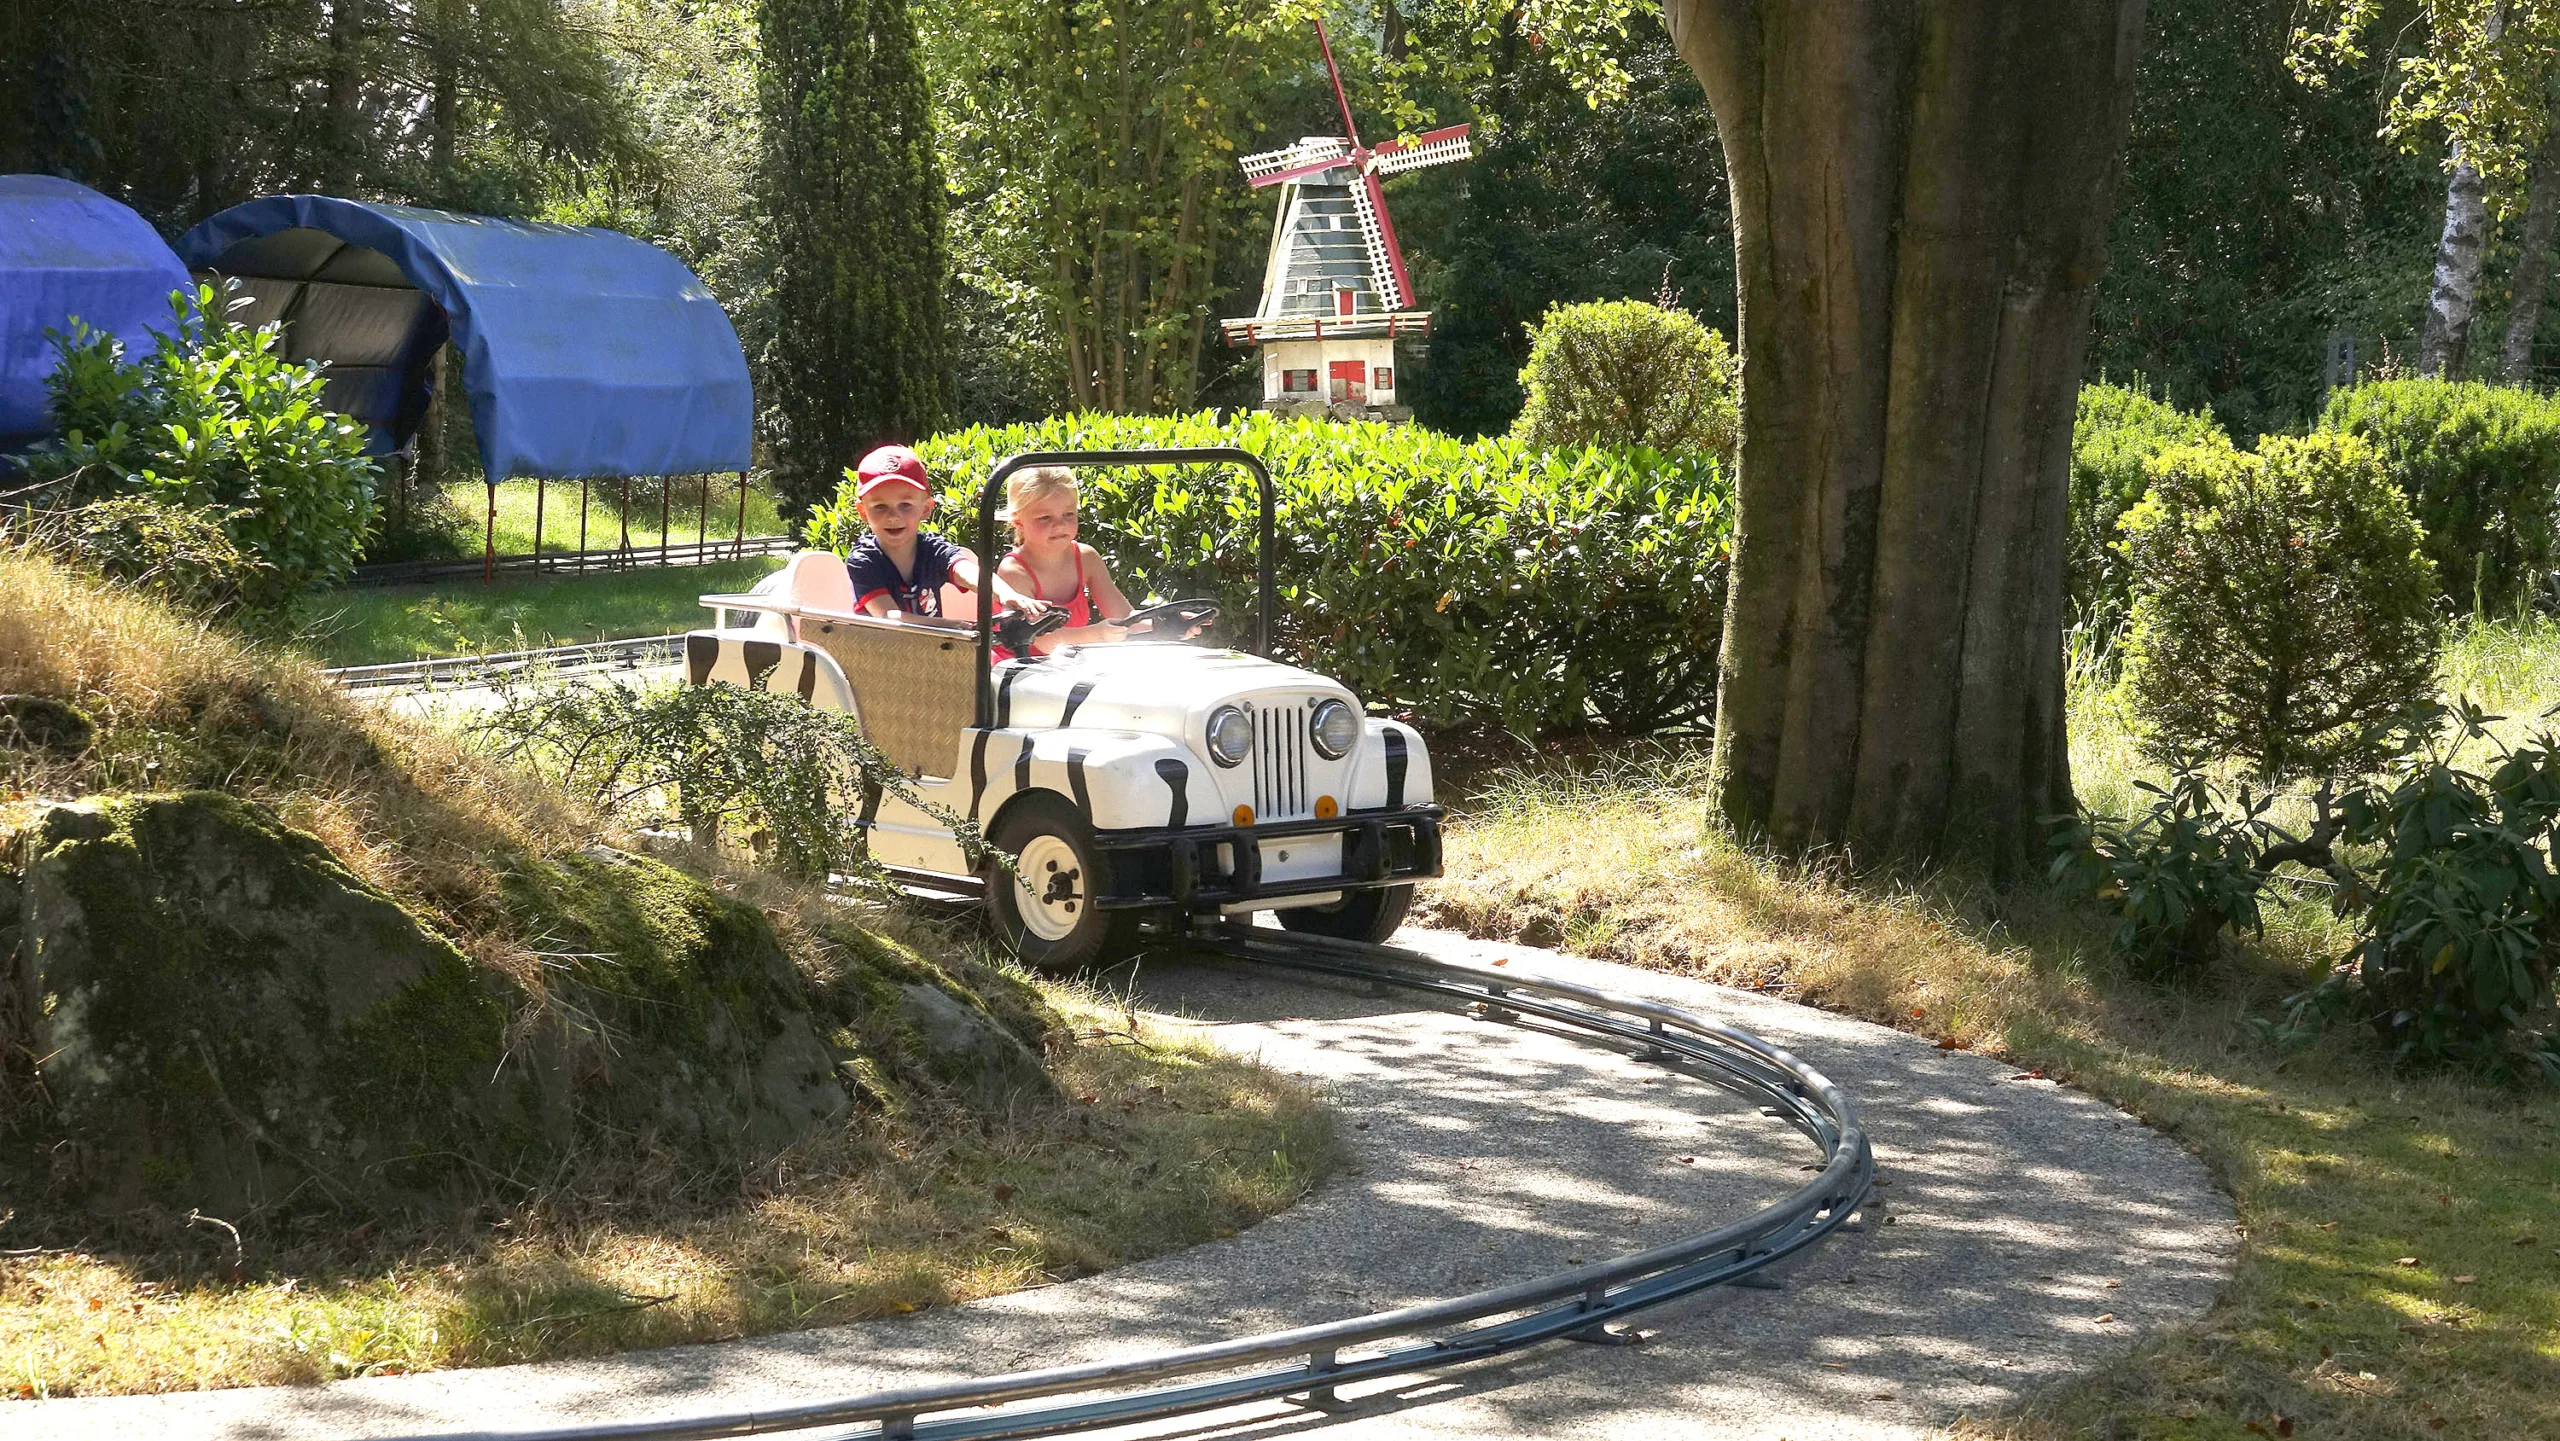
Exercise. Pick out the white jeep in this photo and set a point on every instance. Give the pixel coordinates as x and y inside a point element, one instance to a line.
<point>1142,786</point>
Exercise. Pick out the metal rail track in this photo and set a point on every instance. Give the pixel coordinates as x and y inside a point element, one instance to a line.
<point>575,562</point>
<point>1307,1363</point>
<point>557,661</point>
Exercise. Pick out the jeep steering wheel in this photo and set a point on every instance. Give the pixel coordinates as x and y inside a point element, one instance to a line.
<point>1190,617</point>
<point>1017,631</point>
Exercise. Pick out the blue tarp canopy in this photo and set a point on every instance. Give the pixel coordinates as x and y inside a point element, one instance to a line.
<point>66,250</point>
<point>585,352</point>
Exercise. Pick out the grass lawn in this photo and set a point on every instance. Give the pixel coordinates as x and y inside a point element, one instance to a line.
<point>2401,1270</point>
<point>373,625</point>
<point>1175,1143</point>
<point>453,521</point>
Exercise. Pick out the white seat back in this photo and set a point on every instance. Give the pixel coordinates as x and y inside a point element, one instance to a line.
<point>818,581</point>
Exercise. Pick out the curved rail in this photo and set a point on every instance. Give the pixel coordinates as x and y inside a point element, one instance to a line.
<point>554,661</point>
<point>1578,1303</point>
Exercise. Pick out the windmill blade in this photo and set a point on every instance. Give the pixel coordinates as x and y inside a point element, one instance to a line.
<point>1439,147</point>
<point>1300,172</point>
<point>1270,167</point>
<point>1378,237</point>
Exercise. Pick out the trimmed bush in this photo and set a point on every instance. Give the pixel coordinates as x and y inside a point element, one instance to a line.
<point>1629,372</point>
<point>1466,582</point>
<point>2479,465</point>
<point>2114,436</point>
<point>217,420</point>
<point>2282,607</point>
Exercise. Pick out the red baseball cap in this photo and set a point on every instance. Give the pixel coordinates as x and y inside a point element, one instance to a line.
<point>887,465</point>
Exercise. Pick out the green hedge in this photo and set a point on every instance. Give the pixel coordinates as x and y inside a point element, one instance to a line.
<point>1464,582</point>
<point>2114,435</point>
<point>2479,465</point>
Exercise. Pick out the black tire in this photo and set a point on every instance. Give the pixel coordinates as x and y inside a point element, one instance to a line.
<point>1063,866</point>
<point>1370,915</point>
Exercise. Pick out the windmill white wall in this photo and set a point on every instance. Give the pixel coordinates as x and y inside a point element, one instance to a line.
<point>1329,372</point>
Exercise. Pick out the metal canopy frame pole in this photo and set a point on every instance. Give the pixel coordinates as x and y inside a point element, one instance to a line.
<point>666,492</point>
<point>702,521</point>
<point>1265,587</point>
<point>582,522</point>
<point>738,547</point>
<point>489,545</point>
<point>541,487</point>
<point>624,557</point>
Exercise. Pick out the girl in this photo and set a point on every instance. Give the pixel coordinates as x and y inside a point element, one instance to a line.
<point>1048,563</point>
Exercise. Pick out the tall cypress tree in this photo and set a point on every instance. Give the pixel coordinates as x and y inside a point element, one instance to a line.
<point>860,356</point>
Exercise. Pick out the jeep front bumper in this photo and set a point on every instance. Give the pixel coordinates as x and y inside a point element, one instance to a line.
<point>1202,868</point>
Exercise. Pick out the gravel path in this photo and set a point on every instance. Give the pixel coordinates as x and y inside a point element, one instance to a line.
<point>2025,1233</point>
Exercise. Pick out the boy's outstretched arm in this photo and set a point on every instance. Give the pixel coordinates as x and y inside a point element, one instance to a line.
<point>966,570</point>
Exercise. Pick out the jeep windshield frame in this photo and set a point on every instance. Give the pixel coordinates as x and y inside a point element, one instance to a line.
<point>990,498</point>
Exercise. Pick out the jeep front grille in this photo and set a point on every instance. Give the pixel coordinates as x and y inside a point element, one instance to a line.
<point>1280,763</point>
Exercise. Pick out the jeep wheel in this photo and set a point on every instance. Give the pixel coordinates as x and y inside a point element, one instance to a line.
<point>1370,916</point>
<point>1044,912</point>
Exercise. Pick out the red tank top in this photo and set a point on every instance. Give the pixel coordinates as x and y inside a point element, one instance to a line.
<point>1079,606</point>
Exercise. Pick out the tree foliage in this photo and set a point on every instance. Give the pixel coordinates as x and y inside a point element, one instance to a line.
<point>1094,147</point>
<point>2283,609</point>
<point>2479,73</point>
<point>1566,201</point>
<point>182,108</point>
<point>2256,218</point>
<point>855,194</point>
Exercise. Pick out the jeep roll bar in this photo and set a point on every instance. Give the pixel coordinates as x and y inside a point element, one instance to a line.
<point>1086,459</point>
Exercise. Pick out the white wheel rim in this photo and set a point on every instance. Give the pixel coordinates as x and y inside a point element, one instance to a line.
<point>1050,907</point>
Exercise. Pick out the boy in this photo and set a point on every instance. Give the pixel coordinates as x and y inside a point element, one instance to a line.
<point>897,567</point>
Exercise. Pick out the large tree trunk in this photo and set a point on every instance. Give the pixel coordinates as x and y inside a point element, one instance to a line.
<point>1921,196</point>
<point>2456,291</point>
<point>2533,264</point>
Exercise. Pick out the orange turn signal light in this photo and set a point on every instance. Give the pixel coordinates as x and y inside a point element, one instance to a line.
<point>1244,815</point>
<point>1327,808</point>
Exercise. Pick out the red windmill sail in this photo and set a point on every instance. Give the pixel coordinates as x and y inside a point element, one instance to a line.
<point>1327,163</point>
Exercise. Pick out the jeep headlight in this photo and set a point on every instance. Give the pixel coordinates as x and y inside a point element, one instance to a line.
<point>1334,729</point>
<point>1230,735</point>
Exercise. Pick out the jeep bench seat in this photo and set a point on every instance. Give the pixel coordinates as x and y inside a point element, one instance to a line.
<point>913,678</point>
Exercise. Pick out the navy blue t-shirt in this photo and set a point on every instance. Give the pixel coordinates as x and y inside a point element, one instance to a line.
<point>874,573</point>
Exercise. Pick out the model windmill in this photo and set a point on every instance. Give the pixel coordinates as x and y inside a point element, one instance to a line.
<point>1335,294</point>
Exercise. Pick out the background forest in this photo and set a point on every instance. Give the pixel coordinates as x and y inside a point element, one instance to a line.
<point>1095,230</point>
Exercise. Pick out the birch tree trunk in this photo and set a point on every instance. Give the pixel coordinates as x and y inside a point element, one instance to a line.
<point>2456,292</point>
<point>1921,195</point>
<point>2533,265</point>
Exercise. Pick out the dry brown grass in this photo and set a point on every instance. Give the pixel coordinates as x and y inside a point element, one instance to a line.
<point>183,704</point>
<point>1162,1142</point>
<point>1616,858</point>
<point>1168,1143</point>
<point>2340,1166</point>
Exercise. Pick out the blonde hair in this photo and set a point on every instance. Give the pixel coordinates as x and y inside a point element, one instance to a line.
<point>1025,486</point>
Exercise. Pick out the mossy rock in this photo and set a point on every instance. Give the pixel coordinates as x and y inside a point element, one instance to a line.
<point>232,1021</point>
<point>677,1019</point>
<point>230,1018</point>
<point>909,1027</point>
